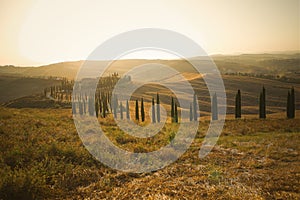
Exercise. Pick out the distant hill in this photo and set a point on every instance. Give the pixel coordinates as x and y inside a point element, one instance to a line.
<point>64,69</point>
<point>281,64</point>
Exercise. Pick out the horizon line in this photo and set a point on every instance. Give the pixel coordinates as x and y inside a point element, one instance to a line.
<point>288,52</point>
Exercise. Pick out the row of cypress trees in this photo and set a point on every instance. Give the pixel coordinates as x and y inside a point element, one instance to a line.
<point>102,103</point>
<point>290,106</point>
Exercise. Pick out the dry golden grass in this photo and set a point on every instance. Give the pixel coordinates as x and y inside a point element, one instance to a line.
<point>42,157</point>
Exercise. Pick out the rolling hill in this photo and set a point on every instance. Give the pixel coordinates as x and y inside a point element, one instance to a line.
<point>281,64</point>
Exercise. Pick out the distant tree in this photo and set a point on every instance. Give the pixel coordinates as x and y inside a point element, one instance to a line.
<point>84,106</point>
<point>80,108</point>
<point>262,104</point>
<point>74,108</point>
<point>51,91</point>
<point>100,105</point>
<point>91,106</point>
<point>158,107</point>
<point>153,111</point>
<point>191,112</point>
<point>115,106</point>
<point>97,108</point>
<point>121,110</point>
<point>291,104</point>
<point>172,110</point>
<point>214,107</point>
<point>238,109</point>
<point>127,110</point>
<point>142,110</point>
<point>288,105</point>
<point>195,113</point>
<point>137,110</point>
<point>104,109</point>
<point>175,114</point>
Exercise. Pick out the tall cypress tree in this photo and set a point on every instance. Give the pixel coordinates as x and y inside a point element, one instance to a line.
<point>127,110</point>
<point>100,105</point>
<point>97,108</point>
<point>288,105</point>
<point>153,111</point>
<point>238,111</point>
<point>172,110</point>
<point>91,106</point>
<point>84,106</point>
<point>121,110</point>
<point>195,113</point>
<point>80,108</point>
<point>104,109</point>
<point>158,107</point>
<point>292,103</point>
<point>137,110</point>
<point>191,112</point>
<point>262,104</point>
<point>73,108</point>
<point>115,106</point>
<point>214,107</point>
<point>175,113</point>
<point>142,110</point>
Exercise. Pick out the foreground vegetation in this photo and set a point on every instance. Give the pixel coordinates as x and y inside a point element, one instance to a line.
<point>42,157</point>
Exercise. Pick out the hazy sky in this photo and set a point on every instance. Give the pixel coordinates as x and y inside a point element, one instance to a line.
<point>46,31</point>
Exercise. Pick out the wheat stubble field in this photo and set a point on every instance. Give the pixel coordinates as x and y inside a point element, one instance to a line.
<point>42,157</point>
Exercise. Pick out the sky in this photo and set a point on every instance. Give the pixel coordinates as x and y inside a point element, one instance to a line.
<point>36,32</point>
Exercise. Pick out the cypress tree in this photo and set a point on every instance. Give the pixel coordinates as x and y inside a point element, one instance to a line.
<point>238,111</point>
<point>142,110</point>
<point>91,105</point>
<point>104,106</point>
<point>100,105</point>
<point>172,110</point>
<point>137,110</point>
<point>80,108</point>
<point>158,107</point>
<point>127,110</point>
<point>195,114</point>
<point>175,113</point>
<point>51,91</point>
<point>121,110</point>
<point>215,107</point>
<point>115,103</point>
<point>288,105</point>
<point>97,108</point>
<point>153,111</point>
<point>264,100</point>
<point>191,112</point>
<point>292,103</point>
<point>262,104</point>
<point>84,106</point>
<point>74,108</point>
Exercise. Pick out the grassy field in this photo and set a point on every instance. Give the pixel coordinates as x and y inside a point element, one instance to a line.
<point>42,157</point>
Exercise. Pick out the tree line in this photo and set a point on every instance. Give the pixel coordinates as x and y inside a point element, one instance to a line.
<point>104,103</point>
